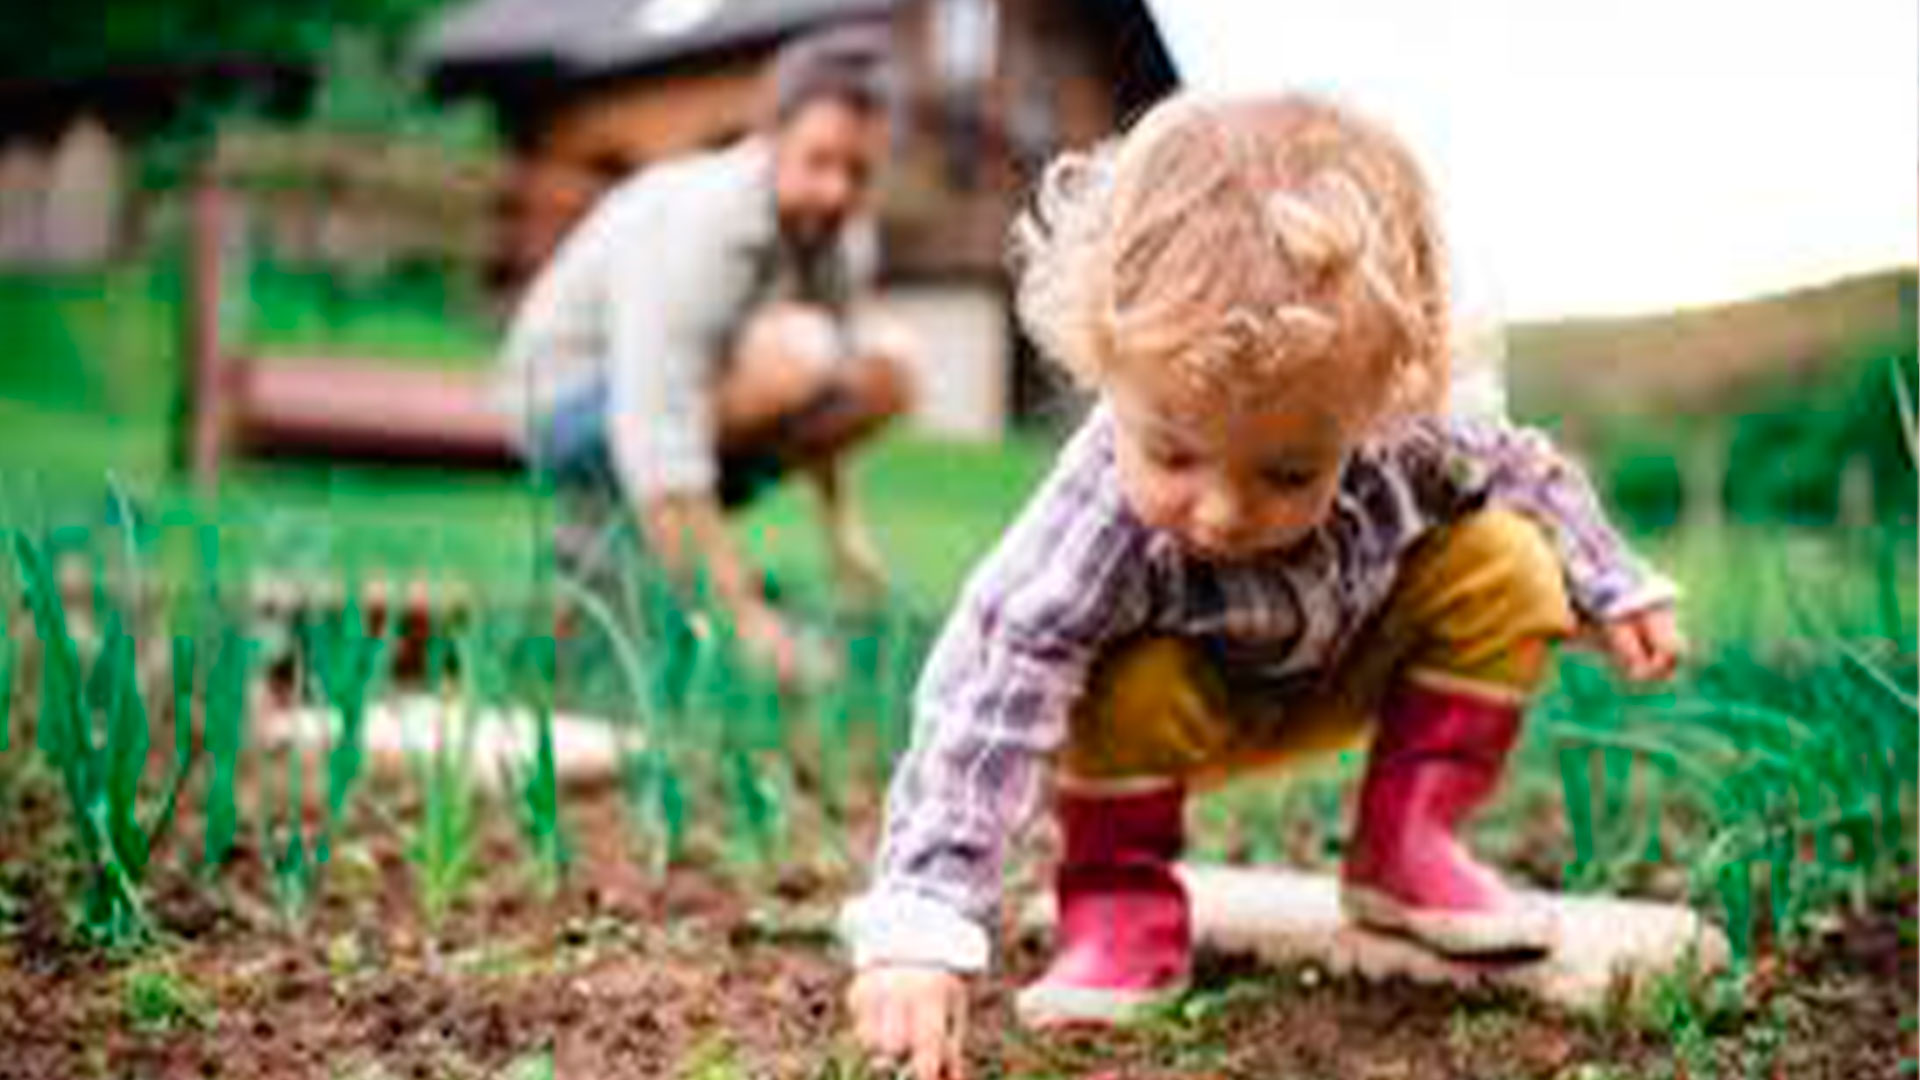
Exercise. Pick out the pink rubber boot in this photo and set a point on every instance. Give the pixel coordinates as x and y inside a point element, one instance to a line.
<point>1437,757</point>
<point>1123,937</point>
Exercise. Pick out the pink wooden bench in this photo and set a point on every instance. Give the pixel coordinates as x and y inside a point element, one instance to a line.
<point>337,407</point>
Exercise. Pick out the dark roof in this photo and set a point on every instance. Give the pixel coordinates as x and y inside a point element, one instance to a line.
<point>589,37</point>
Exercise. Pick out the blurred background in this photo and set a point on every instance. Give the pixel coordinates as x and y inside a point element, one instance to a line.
<point>1684,241</point>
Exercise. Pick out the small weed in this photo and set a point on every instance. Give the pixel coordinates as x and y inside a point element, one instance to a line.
<point>534,1066</point>
<point>361,1069</point>
<point>346,956</point>
<point>443,844</point>
<point>155,999</point>
<point>1475,1031</point>
<point>491,683</point>
<point>848,1062</point>
<point>713,1059</point>
<point>1588,1070</point>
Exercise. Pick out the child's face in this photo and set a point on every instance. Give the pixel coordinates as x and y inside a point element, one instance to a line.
<point>1228,483</point>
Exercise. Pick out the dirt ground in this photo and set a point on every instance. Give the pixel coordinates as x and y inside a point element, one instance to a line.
<point>692,974</point>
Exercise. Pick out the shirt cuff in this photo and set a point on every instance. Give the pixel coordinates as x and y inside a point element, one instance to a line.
<point>1651,590</point>
<point>909,928</point>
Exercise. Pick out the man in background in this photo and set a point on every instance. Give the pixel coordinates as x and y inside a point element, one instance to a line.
<point>696,337</point>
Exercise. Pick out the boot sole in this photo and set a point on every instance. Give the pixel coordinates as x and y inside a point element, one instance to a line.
<point>1526,935</point>
<point>1043,1007</point>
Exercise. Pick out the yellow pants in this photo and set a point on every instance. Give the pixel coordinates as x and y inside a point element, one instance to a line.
<point>1476,607</point>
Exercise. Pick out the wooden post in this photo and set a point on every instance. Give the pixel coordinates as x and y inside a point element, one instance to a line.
<point>212,386</point>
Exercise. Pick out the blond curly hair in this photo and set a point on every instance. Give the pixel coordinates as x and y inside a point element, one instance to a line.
<point>1251,245</point>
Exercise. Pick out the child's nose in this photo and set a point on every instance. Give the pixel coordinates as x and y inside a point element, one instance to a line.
<point>1218,510</point>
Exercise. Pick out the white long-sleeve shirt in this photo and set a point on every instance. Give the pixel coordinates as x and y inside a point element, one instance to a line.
<point>645,296</point>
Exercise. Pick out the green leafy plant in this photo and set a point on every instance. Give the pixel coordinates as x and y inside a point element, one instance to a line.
<point>1801,785</point>
<point>8,654</point>
<point>443,843</point>
<point>350,665</point>
<point>535,784</point>
<point>346,665</point>
<point>1785,768</point>
<point>713,740</point>
<point>93,733</point>
<point>225,736</point>
<point>284,839</point>
<point>655,797</point>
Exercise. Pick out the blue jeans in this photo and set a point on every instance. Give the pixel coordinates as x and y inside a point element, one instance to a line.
<point>570,448</point>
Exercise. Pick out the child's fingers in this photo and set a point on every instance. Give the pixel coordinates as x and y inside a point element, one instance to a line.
<point>957,1033</point>
<point>1665,659</point>
<point>910,1023</point>
<point>1623,643</point>
<point>866,1013</point>
<point>1668,641</point>
<point>1661,642</point>
<point>928,1026</point>
<point>892,1032</point>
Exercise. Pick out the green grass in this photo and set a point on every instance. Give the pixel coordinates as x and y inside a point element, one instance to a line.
<point>89,378</point>
<point>1740,583</point>
<point>936,508</point>
<point>421,317</point>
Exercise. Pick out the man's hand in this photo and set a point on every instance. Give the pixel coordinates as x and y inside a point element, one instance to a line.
<point>764,637</point>
<point>1646,646</point>
<point>860,572</point>
<point>913,1016</point>
<point>684,529</point>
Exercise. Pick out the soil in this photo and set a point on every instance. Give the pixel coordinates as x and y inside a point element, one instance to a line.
<point>695,973</point>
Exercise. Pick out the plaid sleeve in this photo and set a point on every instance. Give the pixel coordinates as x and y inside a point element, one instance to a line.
<point>1521,469</point>
<point>992,705</point>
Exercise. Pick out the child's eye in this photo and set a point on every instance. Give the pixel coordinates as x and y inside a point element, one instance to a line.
<point>1289,479</point>
<point>1171,458</point>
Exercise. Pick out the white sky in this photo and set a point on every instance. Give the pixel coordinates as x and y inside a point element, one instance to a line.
<point>1608,156</point>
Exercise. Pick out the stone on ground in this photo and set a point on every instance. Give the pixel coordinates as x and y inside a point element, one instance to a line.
<point>1611,950</point>
<point>586,750</point>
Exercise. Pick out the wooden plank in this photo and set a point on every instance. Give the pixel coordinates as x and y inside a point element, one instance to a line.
<point>1611,950</point>
<point>364,408</point>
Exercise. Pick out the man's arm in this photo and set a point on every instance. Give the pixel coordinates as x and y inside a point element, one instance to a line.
<point>688,531</point>
<point>672,295</point>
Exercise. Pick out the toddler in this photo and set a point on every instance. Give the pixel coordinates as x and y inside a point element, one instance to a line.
<point>1268,538</point>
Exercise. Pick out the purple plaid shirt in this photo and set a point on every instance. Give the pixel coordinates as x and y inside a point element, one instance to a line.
<point>1078,571</point>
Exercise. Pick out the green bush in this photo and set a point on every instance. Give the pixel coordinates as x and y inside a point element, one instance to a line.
<point>1789,456</point>
<point>1645,487</point>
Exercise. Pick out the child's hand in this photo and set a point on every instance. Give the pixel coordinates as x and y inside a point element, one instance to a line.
<point>1646,645</point>
<point>913,1016</point>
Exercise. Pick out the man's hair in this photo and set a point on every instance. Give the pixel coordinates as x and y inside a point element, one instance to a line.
<point>851,63</point>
